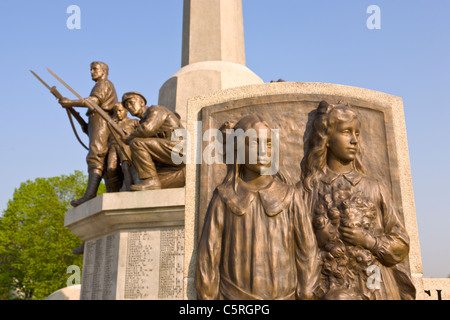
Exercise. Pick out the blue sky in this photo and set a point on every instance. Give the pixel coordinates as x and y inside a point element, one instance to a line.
<point>308,41</point>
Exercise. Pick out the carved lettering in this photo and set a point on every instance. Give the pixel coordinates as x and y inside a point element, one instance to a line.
<point>439,293</point>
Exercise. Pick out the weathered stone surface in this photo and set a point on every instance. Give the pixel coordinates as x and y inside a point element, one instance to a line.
<point>213,30</point>
<point>436,289</point>
<point>110,212</point>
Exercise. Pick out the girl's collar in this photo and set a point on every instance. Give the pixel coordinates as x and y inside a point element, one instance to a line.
<point>274,197</point>
<point>330,176</point>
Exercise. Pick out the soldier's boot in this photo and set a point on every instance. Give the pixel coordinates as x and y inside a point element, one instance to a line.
<point>151,183</point>
<point>147,184</point>
<point>94,179</point>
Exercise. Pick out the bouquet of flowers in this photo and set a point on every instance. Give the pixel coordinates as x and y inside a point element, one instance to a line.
<point>344,265</point>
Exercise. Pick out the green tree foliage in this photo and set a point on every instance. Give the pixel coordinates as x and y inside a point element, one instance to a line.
<point>35,247</point>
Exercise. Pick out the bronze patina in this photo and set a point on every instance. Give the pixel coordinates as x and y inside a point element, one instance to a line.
<point>152,146</point>
<point>118,164</point>
<point>358,229</point>
<point>104,96</point>
<point>257,241</point>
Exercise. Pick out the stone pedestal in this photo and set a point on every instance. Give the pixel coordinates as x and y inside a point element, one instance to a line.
<point>134,245</point>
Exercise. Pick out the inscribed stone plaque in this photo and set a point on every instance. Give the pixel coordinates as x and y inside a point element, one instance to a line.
<point>154,264</point>
<point>100,268</point>
<point>110,271</point>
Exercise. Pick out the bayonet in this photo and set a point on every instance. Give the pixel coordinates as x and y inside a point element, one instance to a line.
<point>70,111</point>
<point>109,121</point>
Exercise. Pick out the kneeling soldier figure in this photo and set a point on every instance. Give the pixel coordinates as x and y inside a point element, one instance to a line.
<point>151,145</point>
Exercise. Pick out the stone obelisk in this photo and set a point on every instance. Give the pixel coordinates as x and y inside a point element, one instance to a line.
<point>213,53</point>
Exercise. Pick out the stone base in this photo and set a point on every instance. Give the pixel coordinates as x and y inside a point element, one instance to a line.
<point>435,289</point>
<point>203,78</point>
<point>134,245</point>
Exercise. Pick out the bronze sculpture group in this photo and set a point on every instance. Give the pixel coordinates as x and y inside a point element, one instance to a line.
<point>141,146</point>
<point>262,238</point>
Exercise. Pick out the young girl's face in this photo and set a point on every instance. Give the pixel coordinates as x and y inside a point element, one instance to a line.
<point>343,143</point>
<point>261,147</point>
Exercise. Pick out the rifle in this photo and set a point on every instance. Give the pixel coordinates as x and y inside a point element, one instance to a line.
<point>94,107</point>
<point>70,111</point>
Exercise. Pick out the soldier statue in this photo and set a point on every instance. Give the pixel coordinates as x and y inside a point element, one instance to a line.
<point>152,146</point>
<point>104,95</point>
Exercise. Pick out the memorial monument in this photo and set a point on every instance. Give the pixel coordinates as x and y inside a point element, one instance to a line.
<point>334,220</point>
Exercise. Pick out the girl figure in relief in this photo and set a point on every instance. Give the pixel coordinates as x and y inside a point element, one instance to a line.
<point>257,240</point>
<point>361,238</point>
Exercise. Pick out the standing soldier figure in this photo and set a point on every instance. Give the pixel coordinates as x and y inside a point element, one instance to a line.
<point>104,95</point>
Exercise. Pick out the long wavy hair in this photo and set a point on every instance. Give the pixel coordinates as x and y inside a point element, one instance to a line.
<point>324,124</point>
